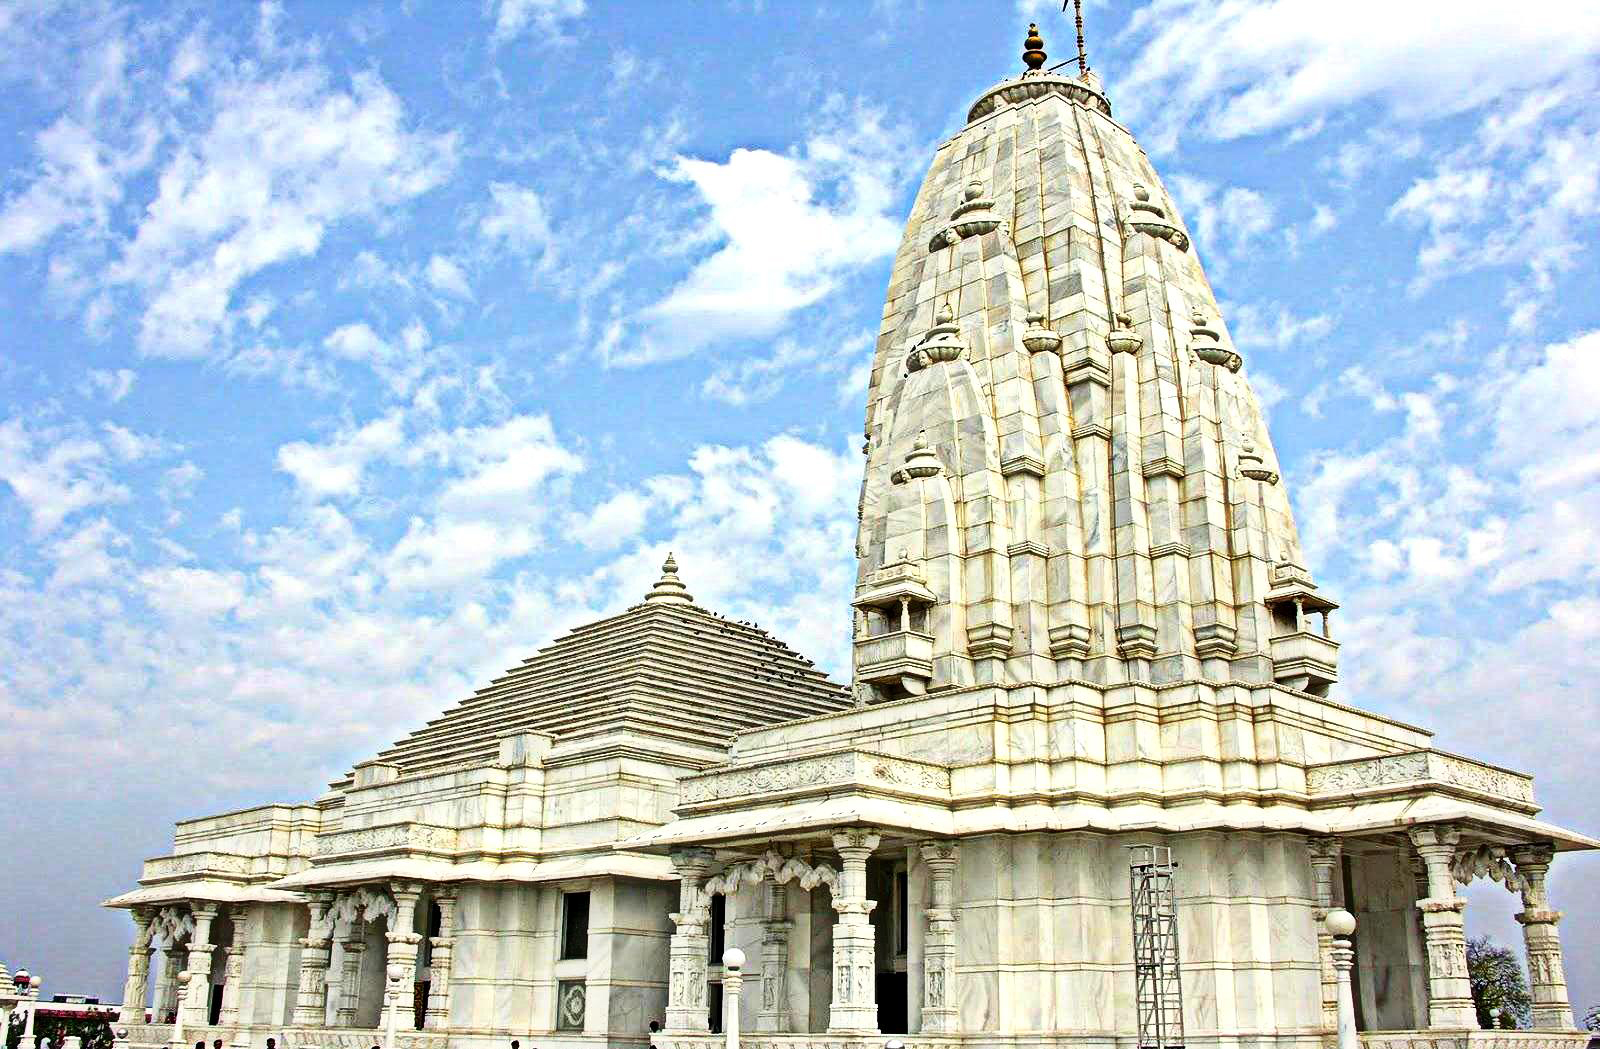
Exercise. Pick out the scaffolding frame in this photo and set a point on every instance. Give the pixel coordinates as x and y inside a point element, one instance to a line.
<point>1158,984</point>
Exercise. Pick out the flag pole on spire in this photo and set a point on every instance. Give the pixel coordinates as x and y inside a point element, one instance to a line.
<point>1077,15</point>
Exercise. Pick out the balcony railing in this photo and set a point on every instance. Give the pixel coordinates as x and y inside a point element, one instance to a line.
<point>888,657</point>
<point>1306,661</point>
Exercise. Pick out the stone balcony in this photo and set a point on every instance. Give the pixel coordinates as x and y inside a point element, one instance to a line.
<point>1305,661</point>
<point>898,657</point>
<point>1360,779</point>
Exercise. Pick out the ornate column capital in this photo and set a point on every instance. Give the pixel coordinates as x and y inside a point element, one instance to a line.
<point>409,891</point>
<point>939,856</point>
<point>1540,854</point>
<point>1325,848</point>
<point>850,840</point>
<point>692,862</point>
<point>1435,835</point>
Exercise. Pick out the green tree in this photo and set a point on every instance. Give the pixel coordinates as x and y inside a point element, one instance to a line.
<point>1498,983</point>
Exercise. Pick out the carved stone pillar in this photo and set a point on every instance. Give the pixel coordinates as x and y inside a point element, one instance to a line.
<point>939,1012</point>
<point>136,989</point>
<point>166,1001</point>
<point>355,949</point>
<point>855,1007</point>
<point>232,979</point>
<point>198,994</point>
<point>1325,855</point>
<point>1547,977</point>
<point>774,1014</point>
<point>311,999</point>
<point>404,942</point>
<point>443,950</point>
<point>686,991</point>
<point>1449,992</point>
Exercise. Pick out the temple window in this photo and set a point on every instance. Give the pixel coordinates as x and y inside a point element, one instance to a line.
<point>574,925</point>
<point>719,928</point>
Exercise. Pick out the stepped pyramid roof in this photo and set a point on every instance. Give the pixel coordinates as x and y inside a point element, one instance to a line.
<point>666,668</point>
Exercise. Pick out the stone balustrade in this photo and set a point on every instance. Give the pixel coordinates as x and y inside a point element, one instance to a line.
<point>888,657</point>
<point>829,1041</point>
<point>1419,769</point>
<point>1474,1039</point>
<point>364,1038</point>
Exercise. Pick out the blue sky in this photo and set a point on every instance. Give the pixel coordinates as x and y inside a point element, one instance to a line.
<point>354,350</point>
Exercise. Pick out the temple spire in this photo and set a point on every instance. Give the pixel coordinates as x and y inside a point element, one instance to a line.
<point>669,589</point>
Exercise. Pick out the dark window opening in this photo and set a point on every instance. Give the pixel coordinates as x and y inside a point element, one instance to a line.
<point>902,914</point>
<point>574,925</point>
<point>719,928</point>
<point>714,1005</point>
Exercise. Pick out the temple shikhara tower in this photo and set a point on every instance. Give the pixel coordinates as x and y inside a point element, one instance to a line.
<point>1093,781</point>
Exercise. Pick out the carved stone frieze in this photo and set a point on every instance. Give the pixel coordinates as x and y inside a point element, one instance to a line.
<point>394,837</point>
<point>188,864</point>
<point>822,770</point>
<point>1419,768</point>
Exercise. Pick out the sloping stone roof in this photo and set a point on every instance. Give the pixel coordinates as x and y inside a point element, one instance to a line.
<point>665,669</point>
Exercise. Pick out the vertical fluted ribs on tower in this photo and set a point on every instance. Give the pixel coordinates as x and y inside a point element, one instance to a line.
<point>1096,520</point>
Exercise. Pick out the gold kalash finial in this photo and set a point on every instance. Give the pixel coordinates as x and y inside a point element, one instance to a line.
<point>1033,55</point>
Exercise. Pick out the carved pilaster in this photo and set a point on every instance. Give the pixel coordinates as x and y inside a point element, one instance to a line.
<point>1325,856</point>
<point>1449,991</point>
<point>197,996</point>
<point>136,989</point>
<point>939,1012</point>
<point>355,949</point>
<point>232,980</point>
<point>402,937</point>
<point>1547,975</point>
<point>166,1000</point>
<point>311,998</point>
<point>855,1007</point>
<point>774,1013</point>
<point>686,991</point>
<point>441,958</point>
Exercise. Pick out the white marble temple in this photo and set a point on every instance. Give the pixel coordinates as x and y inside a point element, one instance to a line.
<point>1082,622</point>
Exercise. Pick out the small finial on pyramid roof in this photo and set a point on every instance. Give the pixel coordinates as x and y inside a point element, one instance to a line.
<point>669,589</point>
<point>1033,55</point>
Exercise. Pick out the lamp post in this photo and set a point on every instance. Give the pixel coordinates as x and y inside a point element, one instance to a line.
<point>28,991</point>
<point>732,981</point>
<point>1341,923</point>
<point>177,1021</point>
<point>395,973</point>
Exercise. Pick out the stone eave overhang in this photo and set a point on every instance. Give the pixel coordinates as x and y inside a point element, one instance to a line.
<point>767,821</point>
<point>615,863</point>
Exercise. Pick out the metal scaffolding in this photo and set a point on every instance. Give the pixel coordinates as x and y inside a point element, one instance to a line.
<point>1157,983</point>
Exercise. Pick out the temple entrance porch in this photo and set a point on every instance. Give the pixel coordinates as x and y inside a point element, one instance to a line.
<point>847,931</point>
